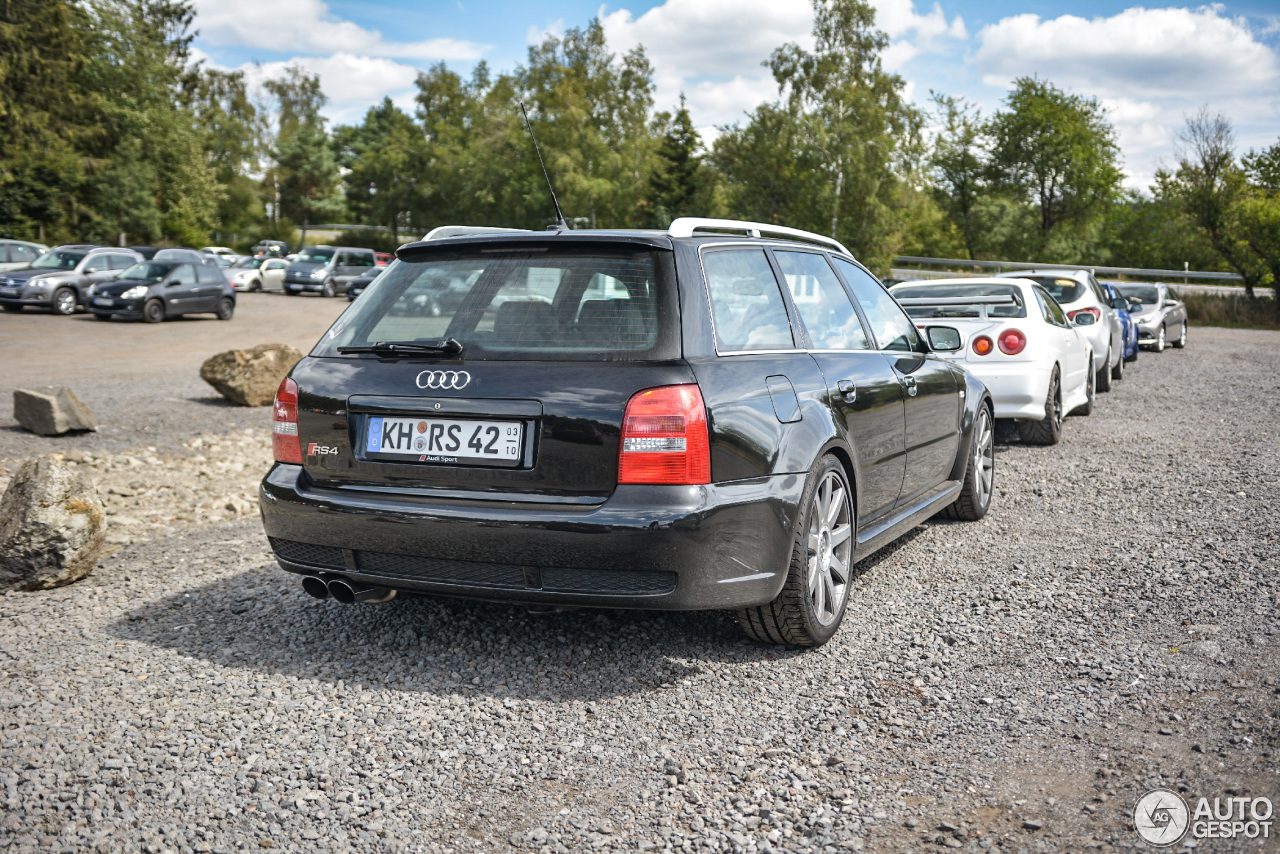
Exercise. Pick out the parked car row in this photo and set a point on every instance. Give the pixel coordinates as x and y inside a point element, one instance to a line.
<point>1044,343</point>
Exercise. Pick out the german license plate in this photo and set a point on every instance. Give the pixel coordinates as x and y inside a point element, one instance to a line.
<point>104,301</point>
<point>444,440</point>
<point>9,292</point>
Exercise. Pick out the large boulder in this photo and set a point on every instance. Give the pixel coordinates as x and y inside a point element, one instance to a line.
<point>51,411</point>
<point>250,377</point>
<point>51,526</point>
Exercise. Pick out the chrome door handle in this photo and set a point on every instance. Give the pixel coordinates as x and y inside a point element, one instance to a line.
<point>911,385</point>
<point>848,390</point>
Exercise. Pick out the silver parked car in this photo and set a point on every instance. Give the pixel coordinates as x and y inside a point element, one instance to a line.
<point>1078,292</point>
<point>1160,314</point>
<point>17,254</point>
<point>60,279</point>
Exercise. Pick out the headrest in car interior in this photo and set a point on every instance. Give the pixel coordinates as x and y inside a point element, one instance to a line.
<point>525,320</point>
<point>611,320</point>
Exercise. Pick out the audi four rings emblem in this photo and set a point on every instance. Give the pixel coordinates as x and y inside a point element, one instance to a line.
<point>443,379</point>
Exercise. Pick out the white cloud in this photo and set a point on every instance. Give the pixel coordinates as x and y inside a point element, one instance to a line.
<point>714,50</point>
<point>305,26</point>
<point>353,83</point>
<point>1187,53</point>
<point>1149,68</point>
<point>537,35</point>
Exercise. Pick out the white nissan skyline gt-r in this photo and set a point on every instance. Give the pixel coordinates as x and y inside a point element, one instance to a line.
<point>1012,335</point>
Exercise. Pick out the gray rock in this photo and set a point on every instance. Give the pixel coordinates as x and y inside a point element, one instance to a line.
<point>52,411</point>
<point>52,526</point>
<point>250,377</point>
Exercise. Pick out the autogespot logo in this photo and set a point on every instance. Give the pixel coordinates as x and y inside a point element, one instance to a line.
<point>1161,817</point>
<point>443,379</point>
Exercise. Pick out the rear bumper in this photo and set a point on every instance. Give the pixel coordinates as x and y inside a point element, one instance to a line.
<point>651,547</point>
<point>1018,389</point>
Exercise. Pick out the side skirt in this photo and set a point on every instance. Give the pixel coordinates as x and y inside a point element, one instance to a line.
<point>905,519</point>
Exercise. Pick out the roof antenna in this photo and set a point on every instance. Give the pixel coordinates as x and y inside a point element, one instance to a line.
<point>560,225</point>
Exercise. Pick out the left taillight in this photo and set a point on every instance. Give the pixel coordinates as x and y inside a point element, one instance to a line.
<point>284,424</point>
<point>664,437</point>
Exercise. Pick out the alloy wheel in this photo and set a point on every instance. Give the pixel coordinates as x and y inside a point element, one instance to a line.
<point>64,302</point>
<point>984,457</point>
<point>830,549</point>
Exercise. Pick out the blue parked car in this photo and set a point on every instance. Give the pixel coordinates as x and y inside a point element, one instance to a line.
<point>1130,349</point>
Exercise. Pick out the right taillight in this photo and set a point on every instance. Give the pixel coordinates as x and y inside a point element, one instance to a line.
<point>664,437</point>
<point>284,424</point>
<point>1012,341</point>
<point>982,345</point>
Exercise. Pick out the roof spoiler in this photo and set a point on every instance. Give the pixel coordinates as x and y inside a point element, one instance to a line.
<point>1003,299</point>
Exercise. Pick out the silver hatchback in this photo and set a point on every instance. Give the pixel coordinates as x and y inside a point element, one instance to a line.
<point>1159,313</point>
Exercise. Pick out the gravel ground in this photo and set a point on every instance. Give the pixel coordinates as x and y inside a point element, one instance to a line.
<point>1014,684</point>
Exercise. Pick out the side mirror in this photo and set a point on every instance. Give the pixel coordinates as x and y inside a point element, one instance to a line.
<point>1120,304</point>
<point>1171,303</point>
<point>1084,318</point>
<point>944,338</point>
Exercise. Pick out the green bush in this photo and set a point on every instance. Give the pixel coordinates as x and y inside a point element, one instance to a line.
<point>1234,310</point>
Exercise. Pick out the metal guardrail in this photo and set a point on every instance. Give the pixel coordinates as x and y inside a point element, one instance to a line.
<point>1183,275</point>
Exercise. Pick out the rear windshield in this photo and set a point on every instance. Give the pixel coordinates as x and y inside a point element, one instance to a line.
<point>1145,294</point>
<point>588,305</point>
<point>1062,289</point>
<point>1017,309</point>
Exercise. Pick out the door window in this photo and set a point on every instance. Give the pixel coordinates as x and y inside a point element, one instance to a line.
<point>892,329</point>
<point>97,264</point>
<point>823,304</point>
<point>361,261</point>
<point>121,262</point>
<point>746,303</point>
<point>21,253</point>
<point>184,275</point>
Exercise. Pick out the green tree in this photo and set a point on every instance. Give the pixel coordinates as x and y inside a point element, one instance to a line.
<point>303,177</point>
<point>958,167</point>
<point>1209,187</point>
<point>43,116</point>
<point>231,129</point>
<point>680,184</point>
<point>1057,152</point>
<point>831,153</point>
<point>386,160</point>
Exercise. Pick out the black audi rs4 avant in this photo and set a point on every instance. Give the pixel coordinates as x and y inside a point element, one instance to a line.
<point>724,415</point>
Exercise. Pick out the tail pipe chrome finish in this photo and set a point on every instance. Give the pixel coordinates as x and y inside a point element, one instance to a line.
<point>349,592</point>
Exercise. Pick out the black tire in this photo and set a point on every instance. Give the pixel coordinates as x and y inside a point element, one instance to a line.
<point>1047,431</point>
<point>793,618</point>
<point>64,302</point>
<point>1091,397</point>
<point>290,292</point>
<point>11,309</point>
<point>226,308</point>
<point>1102,382</point>
<point>153,311</point>
<point>255,285</point>
<point>1136,351</point>
<point>1117,373</point>
<point>97,316</point>
<point>1182,338</point>
<point>328,289</point>
<point>1160,336</point>
<point>979,475</point>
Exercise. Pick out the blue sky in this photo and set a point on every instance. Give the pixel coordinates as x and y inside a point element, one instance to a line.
<point>1150,67</point>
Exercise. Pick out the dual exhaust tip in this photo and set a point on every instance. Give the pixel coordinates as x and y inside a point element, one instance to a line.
<point>345,590</point>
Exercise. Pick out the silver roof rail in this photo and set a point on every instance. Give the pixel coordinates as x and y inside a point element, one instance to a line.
<point>686,226</point>
<point>443,231</point>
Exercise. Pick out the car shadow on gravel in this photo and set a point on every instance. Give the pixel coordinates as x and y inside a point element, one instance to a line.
<point>261,620</point>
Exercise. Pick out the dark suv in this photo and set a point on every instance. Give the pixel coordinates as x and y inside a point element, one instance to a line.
<point>720,416</point>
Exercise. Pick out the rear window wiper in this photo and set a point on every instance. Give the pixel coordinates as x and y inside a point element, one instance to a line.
<point>446,347</point>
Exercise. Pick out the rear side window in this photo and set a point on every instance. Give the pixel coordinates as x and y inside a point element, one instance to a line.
<point>746,303</point>
<point>207,274</point>
<point>1053,312</point>
<point>589,305</point>
<point>892,329</point>
<point>824,307</point>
